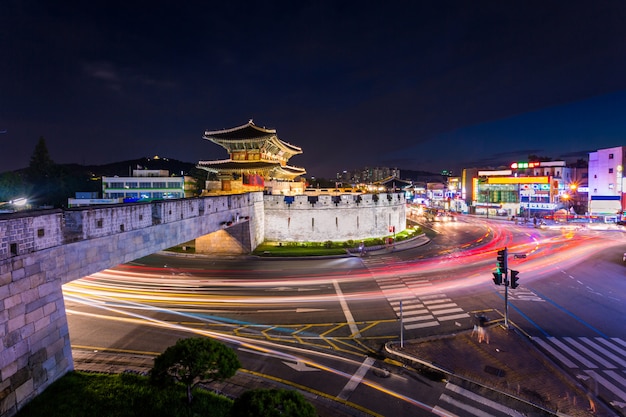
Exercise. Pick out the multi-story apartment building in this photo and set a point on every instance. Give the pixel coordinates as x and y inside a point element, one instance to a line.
<point>606,182</point>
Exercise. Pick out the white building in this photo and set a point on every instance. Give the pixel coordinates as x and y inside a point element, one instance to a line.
<point>144,185</point>
<point>606,182</point>
<point>147,184</point>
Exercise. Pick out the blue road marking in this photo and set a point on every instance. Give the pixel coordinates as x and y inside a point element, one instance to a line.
<point>569,313</point>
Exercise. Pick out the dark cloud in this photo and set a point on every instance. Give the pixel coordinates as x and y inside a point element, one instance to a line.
<point>418,85</point>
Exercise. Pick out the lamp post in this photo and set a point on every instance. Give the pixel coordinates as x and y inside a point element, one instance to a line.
<point>620,190</point>
<point>566,199</point>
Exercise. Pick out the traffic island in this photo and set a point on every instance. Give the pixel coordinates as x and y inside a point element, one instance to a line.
<point>498,363</point>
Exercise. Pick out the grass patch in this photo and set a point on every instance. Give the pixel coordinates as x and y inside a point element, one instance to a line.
<point>79,394</point>
<point>287,249</point>
<point>272,249</point>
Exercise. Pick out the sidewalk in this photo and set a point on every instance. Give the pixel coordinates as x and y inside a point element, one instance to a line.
<point>506,362</point>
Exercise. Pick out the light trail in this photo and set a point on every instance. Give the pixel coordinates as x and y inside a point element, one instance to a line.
<point>130,293</point>
<point>262,347</point>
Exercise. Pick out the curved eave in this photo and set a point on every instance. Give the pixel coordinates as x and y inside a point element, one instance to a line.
<point>271,143</point>
<point>266,168</point>
<point>228,165</point>
<point>287,172</point>
<point>248,130</point>
<point>250,136</point>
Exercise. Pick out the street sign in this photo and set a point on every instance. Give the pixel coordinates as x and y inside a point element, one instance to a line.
<point>519,255</point>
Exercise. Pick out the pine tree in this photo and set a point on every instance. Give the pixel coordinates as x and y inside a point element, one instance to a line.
<point>41,166</point>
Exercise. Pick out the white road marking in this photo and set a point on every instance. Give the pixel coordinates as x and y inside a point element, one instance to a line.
<point>346,311</point>
<point>356,378</point>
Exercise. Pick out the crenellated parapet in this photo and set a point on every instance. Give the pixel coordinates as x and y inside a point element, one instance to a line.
<point>319,218</point>
<point>27,232</point>
<point>332,201</point>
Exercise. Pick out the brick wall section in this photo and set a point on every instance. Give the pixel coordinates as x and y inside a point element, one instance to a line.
<point>41,251</point>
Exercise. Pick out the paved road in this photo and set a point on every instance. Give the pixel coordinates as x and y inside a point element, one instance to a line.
<point>428,289</point>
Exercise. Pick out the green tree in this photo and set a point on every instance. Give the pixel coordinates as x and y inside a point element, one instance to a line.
<point>41,165</point>
<point>193,361</point>
<point>272,403</point>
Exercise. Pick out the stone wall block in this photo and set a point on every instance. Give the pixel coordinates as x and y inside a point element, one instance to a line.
<point>27,331</point>
<point>5,275</point>
<point>24,392</point>
<point>39,302</point>
<point>13,327</point>
<point>9,353</point>
<point>9,300</point>
<point>16,311</point>
<point>19,286</point>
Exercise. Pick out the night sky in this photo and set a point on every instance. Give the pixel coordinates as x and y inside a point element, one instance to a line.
<point>420,85</point>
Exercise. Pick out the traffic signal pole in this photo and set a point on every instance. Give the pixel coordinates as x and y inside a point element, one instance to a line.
<point>501,277</point>
<point>506,302</point>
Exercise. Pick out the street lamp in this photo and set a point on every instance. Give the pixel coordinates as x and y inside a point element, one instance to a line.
<point>620,190</point>
<point>566,199</point>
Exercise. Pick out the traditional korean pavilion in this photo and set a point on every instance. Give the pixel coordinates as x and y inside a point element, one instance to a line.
<point>256,155</point>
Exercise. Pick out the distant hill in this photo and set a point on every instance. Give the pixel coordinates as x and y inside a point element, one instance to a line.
<point>125,168</point>
<point>64,180</point>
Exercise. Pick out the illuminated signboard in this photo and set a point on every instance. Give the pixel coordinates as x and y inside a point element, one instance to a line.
<point>518,180</point>
<point>524,165</point>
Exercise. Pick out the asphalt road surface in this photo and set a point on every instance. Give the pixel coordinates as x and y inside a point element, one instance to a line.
<point>319,324</point>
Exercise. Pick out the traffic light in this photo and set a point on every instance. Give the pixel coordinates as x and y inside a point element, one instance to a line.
<point>497,278</point>
<point>514,279</point>
<point>501,261</point>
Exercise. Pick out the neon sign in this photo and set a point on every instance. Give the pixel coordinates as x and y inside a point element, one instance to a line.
<point>524,165</point>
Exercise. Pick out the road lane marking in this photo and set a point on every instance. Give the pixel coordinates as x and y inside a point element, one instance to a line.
<point>606,384</point>
<point>482,400</point>
<point>421,325</point>
<point>454,317</point>
<point>356,378</point>
<point>346,311</point>
<point>605,352</point>
<point>589,353</point>
<point>555,353</point>
<point>572,353</point>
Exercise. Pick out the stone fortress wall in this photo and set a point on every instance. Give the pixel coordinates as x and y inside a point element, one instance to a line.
<point>40,251</point>
<point>320,218</point>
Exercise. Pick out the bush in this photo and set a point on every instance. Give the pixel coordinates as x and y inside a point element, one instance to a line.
<point>123,395</point>
<point>272,403</point>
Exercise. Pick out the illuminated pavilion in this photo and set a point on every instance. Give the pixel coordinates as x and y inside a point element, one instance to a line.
<point>256,155</point>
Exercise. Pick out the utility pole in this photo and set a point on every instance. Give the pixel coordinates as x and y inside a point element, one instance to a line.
<point>401,326</point>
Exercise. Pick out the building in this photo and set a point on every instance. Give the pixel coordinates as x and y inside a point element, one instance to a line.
<point>527,189</point>
<point>256,157</point>
<point>147,185</point>
<point>292,213</point>
<point>606,182</point>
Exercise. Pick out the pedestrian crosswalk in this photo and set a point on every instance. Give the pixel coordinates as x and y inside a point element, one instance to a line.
<point>598,362</point>
<point>418,311</point>
<point>458,401</point>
